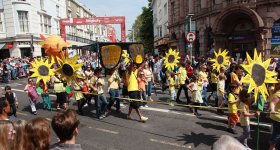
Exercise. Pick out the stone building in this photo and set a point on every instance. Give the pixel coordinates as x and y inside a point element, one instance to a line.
<point>160,22</point>
<point>238,25</point>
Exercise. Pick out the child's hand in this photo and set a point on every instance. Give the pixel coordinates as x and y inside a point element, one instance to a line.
<point>257,113</point>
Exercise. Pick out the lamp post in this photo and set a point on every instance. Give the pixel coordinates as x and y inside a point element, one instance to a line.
<point>132,34</point>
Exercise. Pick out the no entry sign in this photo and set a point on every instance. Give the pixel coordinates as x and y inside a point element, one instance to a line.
<point>190,37</point>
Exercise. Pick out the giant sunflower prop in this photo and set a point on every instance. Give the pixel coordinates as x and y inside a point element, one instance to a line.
<point>171,59</point>
<point>125,55</point>
<point>221,60</point>
<point>42,69</point>
<point>258,75</point>
<point>69,68</point>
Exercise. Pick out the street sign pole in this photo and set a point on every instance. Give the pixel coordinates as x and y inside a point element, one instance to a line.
<point>191,52</point>
<point>190,25</point>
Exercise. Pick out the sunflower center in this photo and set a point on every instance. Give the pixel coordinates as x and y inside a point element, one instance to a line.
<point>43,70</point>
<point>171,58</point>
<point>220,59</point>
<point>67,70</point>
<point>258,74</point>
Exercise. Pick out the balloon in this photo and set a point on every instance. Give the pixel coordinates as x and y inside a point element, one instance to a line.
<point>54,46</point>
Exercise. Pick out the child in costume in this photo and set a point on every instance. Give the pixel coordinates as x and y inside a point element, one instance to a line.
<point>233,101</point>
<point>221,90</point>
<point>142,86</point>
<point>245,115</point>
<point>45,95</point>
<point>196,94</point>
<point>172,84</point>
<point>12,99</point>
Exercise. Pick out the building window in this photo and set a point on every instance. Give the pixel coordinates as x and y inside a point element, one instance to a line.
<point>45,24</point>
<point>160,15</point>
<point>69,3</point>
<point>69,14</point>
<point>165,9</point>
<point>57,10</point>
<point>172,12</point>
<point>1,22</point>
<point>42,4</point>
<point>23,21</point>
<point>57,27</point>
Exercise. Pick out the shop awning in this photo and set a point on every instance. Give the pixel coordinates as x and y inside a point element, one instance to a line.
<point>2,45</point>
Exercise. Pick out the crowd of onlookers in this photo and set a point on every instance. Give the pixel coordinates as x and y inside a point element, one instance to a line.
<point>14,68</point>
<point>35,134</point>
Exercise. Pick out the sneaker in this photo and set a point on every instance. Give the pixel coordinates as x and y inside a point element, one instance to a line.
<point>34,113</point>
<point>86,105</point>
<point>143,119</point>
<point>129,117</point>
<point>231,131</point>
<point>58,108</point>
<point>101,117</point>
<point>146,106</point>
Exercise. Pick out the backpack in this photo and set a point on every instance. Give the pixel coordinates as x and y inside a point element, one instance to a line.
<point>32,93</point>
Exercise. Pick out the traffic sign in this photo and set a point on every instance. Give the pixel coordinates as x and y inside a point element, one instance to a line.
<point>190,37</point>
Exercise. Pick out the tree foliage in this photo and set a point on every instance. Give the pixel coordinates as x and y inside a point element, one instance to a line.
<point>143,28</point>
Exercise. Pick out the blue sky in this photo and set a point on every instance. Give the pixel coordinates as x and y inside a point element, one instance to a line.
<point>128,8</point>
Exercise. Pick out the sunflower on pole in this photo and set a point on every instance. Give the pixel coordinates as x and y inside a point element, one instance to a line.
<point>69,68</point>
<point>42,69</point>
<point>221,60</point>
<point>171,59</point>
<point>257,77</point>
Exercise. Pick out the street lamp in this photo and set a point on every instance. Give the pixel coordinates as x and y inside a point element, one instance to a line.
<point>132,30</point>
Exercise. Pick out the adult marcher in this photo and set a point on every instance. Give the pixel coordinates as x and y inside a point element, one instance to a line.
<point>133,91</point>
<point>37,134</point>
<point>203,83</point>
<point>4,109</point>
<point>275,117</point>
<point>5,74</point>
<point>7,135</point>
<point>183,79</point>
<point>33,96</point>
<point>157,68</point>
<point>65,125</point>
<point>114,82</point>
<point>149,80</point>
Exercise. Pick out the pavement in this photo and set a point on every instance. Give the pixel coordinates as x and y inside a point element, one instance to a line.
<point>168,127</point>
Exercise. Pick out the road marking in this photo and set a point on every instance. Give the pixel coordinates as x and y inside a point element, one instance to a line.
<point>107,131</point>
<point>172,144</point>
<point>251,122</point>
<point>167,111</point>
<point>23,114</point>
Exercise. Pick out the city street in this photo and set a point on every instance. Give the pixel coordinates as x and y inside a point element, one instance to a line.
<point>168,127</point>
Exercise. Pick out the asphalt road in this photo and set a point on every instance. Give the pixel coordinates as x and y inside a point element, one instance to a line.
<point>168,127</point>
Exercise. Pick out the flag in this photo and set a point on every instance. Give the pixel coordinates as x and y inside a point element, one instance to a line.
<point>260,102</point>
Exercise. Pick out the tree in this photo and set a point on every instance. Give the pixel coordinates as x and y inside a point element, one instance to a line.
<point>143,28</point>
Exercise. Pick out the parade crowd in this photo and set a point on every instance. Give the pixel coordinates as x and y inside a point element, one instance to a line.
<point>202,86</point>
